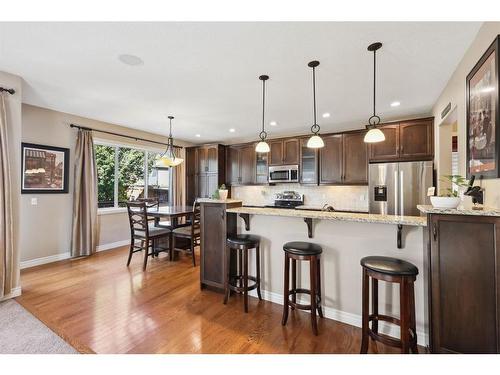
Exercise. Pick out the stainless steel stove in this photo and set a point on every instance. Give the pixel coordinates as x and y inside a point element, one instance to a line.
<point>287,199</point>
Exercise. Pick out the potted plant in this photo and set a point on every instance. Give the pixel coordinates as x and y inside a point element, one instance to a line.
<point>450,198</point>
<point>223,192</point>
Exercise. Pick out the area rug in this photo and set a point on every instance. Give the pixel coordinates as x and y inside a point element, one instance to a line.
<point>22,333</point>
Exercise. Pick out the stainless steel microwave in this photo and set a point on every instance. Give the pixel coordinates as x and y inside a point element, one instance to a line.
<point>284,173</point>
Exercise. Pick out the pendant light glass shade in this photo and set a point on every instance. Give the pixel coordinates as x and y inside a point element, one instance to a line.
<point>262,146</point>
<point>374,135</point>
<point>168,158</point>
<point>315,141</point>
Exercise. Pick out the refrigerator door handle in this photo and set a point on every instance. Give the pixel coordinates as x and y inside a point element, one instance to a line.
<point>401,191</point>
<point>396,192</point>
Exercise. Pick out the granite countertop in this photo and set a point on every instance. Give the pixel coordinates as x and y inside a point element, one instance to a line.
<point>337,216</point>
<point>486,211</point>
<point>223,201</point>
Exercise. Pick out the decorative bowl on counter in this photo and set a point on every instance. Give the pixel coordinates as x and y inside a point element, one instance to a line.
<point>445,202</point>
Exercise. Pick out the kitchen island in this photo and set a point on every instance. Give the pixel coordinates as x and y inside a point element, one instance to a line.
<point>345,239</point>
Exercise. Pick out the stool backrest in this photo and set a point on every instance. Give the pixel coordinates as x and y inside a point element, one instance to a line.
<point>138,218</point>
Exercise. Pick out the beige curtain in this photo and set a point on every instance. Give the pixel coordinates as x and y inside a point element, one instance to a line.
<point>84,236</point>
<point>179,179</point>
<point>6,229</point>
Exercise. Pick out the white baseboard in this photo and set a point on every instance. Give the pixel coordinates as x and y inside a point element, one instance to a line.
<point>16,292</point>
<point>113,245</point>
<point>45,260</point>
<point>344,317</point>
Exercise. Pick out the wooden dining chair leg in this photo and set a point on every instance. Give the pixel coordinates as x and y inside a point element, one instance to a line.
<point>313,276</point>
<point>257,265</point>
<point>286,291</point>
<point>294,281</point>
<point>227,254</point>
<point>146,254</point>
<point>365,312</point>
<point>171,246</point>
<point>245,278</point>
<point>193,253</point>
<point>318,285</point>
<point>132,242</point>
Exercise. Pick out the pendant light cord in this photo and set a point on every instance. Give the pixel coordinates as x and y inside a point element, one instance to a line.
<point>315,127</point>
<point>374,79</point>
<point>314,94</point>
<point>263,103</point>
<point>374,120</point>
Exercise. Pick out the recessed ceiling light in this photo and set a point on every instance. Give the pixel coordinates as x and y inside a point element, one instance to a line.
<point>326,115</point>
<point>131,60</point>
<point>198,135</point>
<point>395,104</point>
<point>273,123</point>
<point>232,130</point>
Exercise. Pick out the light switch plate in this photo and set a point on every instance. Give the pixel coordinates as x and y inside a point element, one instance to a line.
<point>34,201</point>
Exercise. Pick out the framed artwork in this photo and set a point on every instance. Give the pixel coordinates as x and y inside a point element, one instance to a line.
<point>483,136</point>
<point>44,169</point>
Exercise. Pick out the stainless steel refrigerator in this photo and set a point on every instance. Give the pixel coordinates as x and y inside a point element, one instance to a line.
<point>397,188</point>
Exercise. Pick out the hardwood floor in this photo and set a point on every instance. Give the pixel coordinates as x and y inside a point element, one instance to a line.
<point>99,305</point>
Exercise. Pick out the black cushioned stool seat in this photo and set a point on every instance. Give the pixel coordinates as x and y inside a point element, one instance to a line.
<point>390,266</point>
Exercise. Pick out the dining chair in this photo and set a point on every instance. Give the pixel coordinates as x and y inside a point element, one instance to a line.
<point>155,203</point>
<point>144,232</point>
<point>191,232</point>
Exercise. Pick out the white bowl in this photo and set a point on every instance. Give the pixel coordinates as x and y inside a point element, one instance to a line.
<point>445,202</point>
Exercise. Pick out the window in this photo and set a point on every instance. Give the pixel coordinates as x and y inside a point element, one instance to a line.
<point>126,174</point>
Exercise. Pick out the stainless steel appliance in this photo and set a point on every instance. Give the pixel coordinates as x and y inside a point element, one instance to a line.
<point>397,188</point>
<point>288,199</point>
<point>284,173</point>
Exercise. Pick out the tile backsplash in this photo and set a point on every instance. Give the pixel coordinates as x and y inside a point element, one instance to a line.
<point>340,197</point>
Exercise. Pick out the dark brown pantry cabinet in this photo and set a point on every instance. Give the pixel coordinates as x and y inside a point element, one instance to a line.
<point>241,165</point>
<point>205,171</point>
<point>463,257</point>
<point>343,160</point>
<point>405,141</point>
<point>284,151</point>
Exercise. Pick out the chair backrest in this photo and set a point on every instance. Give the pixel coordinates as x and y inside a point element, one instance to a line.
<point>138,218</point>
<point>195,220</point>
<point>150,202</point>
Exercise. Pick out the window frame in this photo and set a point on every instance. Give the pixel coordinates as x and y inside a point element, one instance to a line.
<point>146,149</point>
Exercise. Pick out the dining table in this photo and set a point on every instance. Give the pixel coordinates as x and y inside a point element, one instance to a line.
<point>171,214</point>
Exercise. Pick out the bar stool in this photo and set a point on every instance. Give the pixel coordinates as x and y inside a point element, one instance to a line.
<point>394,271</point>
<point>242,243</point>
<point>309,252</point>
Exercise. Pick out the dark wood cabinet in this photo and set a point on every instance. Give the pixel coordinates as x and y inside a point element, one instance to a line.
<point>205,171</point>
<point>355,157</point>
<point>343,160</point>
<point>284,151</point>
<point>241,165</point>
<point>405,141</point>
<point>261,168</point>
<point>463,254</point>
<point>308,163</point>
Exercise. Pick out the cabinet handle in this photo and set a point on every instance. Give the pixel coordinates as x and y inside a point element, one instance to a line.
<point>434,231</point>
<point>223,215</point>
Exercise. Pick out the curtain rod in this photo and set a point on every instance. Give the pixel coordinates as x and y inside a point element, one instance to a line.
<point>10,91</point>
<point>120,135</point>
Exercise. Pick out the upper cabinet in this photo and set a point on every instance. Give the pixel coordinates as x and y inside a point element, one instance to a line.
<point>405,141</point>
<point>308,163</point>
<point>343,160</point>
<point>241,165</point>
<point>284,151</point>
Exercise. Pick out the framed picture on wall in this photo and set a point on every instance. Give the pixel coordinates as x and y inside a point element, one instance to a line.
<point>483,116</point>
<point>44,169</point>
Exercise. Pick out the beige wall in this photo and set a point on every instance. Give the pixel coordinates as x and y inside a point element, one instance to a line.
<point>454,92</point>
<point>14,123</point>
<point>46,227</point>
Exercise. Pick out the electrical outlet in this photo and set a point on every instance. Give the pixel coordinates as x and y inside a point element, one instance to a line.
<point>34,201</point>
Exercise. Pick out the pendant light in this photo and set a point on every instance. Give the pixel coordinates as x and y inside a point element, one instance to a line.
<point>262,146</point>
<point>168,158</point>
<point>315,141</point>
<point>374,134</point>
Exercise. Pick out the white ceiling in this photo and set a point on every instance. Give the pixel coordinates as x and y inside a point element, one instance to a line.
<point>205,74</point>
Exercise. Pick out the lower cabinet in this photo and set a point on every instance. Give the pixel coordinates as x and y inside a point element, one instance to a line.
<point>463,257</point>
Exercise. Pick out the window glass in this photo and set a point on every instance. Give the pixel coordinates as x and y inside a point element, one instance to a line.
<point>158,180</point>
<point>105,160</point>
<point>130,175</point>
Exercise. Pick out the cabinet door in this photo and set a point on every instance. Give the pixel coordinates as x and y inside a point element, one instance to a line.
<point>276,154</point>
<point>416,140</point>
<point>330,158</point>
<point>202,186</point>
<point>386,150</point>
<point>202,160</point>
<point>232,165</point>
<point>465,284</point>
<point>212,159</point>
<point>212,183</point>
<point>291,151</point>
<point>247,165</point>
<point>261,168</point>
<point>355,158</point>
<point>308,163</point>
<point>191,182</point>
